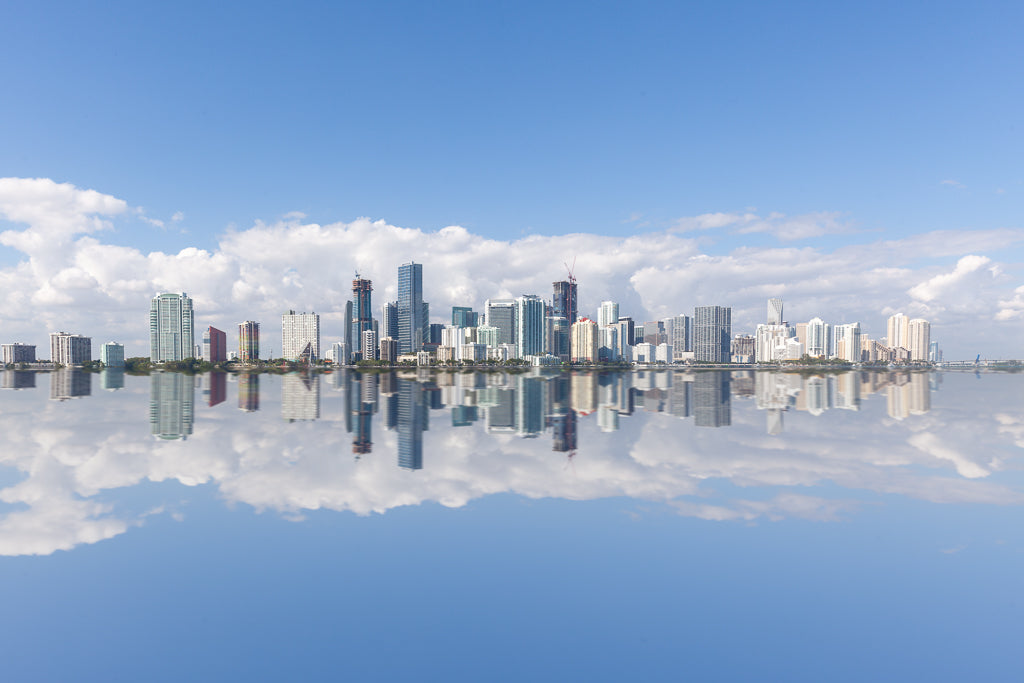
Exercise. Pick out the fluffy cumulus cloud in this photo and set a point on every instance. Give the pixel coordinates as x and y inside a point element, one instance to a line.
<point>67,276</point>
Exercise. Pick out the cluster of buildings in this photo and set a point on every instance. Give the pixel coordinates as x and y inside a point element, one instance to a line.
<point>530,328</point>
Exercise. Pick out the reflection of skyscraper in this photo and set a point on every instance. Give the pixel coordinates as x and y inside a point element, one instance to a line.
<point>562,418</point>
<point>410,425</point>
<point>68,383</point>
<point>249,392</point>
<point>18,379</point>
<point>216,388</point>
<point>171,334</point>
<point>364,395</point>
<point>711,399</point>
<point>300,396</point>
<point>529,406</point>
<point>171,404</point>
<point>112,379</point>
<point>583,392</point>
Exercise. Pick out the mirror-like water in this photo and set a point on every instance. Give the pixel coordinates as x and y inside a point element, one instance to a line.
<point>704,525</point>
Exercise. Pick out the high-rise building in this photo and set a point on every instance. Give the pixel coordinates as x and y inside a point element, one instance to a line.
<point>564,301</point>
<point>389,320</point>
<point>410,308</point>
<point>248,341</point>
<point>215,345</point>
<point>112,355</point>
<point>774,311</point>
<point>682,336</point>
<point>349,339</point>
<point>70,349</point>
<point>18,353</point>
<point>918,339</point>
<point>848,344</point>
<point>463,316</point>
<point>817,338</point>
<point>897,333</point>
<point>171,336</point>
<point>501,313</point>
<point>300,336</point>
<point>389,349</point>
<point>608,314</point>
<point>712,333</point>
<point>529,325</point>
<point>584,341</point>
<point>934,353</point>
<point>369,347</point>
<point>362,306</point>
<point>630,337</point>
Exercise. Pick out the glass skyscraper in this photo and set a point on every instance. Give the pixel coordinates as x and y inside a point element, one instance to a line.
<point>565,301</point>
<point>712,334</point>
<point>410,307</point>
<point>171,334</point>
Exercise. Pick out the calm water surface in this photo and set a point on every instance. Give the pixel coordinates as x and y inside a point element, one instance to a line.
<point>638,526</point>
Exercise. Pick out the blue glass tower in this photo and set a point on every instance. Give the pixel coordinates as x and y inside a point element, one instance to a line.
<point>410,307</point>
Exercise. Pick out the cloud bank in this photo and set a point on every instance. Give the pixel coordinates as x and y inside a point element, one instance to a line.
<point>66,276</point>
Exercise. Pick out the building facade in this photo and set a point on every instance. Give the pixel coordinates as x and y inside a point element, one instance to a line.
<point>112,355</point>
<point>248,341</point>
<point>410,308</point>
<point>564,301</point>
<point>529,311</point>
<point>712,334</point>
<point>171,330</point>
<point>300,336</point>
<point>215,345</point>
<point>584,341</point>
<point>18,353</point>
<point>70,349</point>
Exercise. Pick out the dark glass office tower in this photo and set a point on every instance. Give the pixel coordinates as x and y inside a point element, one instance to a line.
<point>565,301</point>
<point>410,308</point>
<point>362,310</point>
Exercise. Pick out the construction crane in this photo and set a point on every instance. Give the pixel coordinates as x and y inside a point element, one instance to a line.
<point>572,278</point>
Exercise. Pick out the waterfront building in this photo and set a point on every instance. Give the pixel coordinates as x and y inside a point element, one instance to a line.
<point>558,337</point>
<point>564,301</point>
<point>501,313</point>
<point>584,341</point>
<point>249,341</point>
<point>743,348</point>
<point>608,347</point>
<point>898,332</point>
<point>300,336</point>
<point>654,333</point>
<point>70,349</point>
<point>682,336</point>
<point>934,353</point>
<point>630,338</point>
<point>529,325</point>
<point>112,355</point>
<point>770,343</point>
<point>712,333</point>
<point>389,349</point>
<point>817,338</point>
<point>848,345</point>
<point>171,335</point>
<point>18,353</point>
<point>411,309</point>
<point>215,345</point>
<point>362,305</point>
<point>918,339</point>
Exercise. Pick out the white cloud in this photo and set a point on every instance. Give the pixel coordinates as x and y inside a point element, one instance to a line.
<point>953,183</point>
<point>70,279</point>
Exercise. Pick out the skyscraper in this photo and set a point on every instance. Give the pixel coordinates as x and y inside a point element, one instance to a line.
<point>171,335</point>
<point>897,332</point>
<point>362,307</point>
<point>389,320</point>
<point>463,316</point>
<point>712,333</point>
<point>70,349</point>
<point>300,336</point>
<point>565,300</point>
<point>112,355</point>
<point>501,314</point>
<point>529,325</point>
<point>248,341</point>
<point>774,311</point>
<point>608,314</point>
<point>682,336</point>
<point>215,345</point>
<point>918,338</point>
<point>584,341</point>
<point>410,307</point>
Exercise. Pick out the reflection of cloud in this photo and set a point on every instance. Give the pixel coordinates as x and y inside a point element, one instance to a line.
<point>80,451</point>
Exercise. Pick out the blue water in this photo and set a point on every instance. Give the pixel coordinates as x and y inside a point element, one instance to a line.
<point>759,527</point>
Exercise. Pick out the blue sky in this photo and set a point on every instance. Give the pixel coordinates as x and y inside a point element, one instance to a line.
<point>516,119</point>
